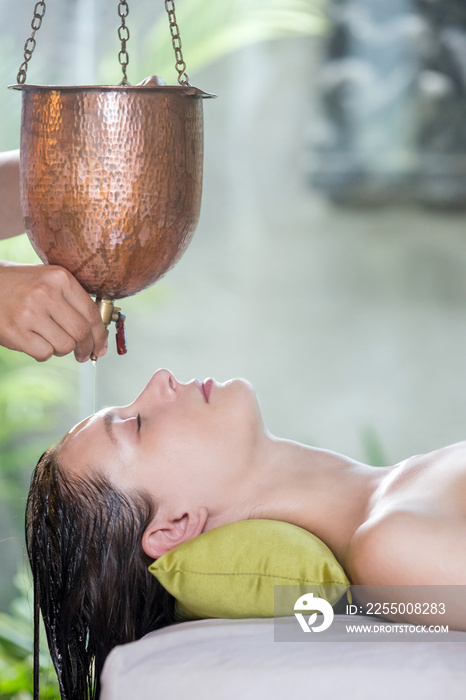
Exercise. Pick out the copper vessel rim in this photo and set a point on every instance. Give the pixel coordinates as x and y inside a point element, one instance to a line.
<point>188,91</point>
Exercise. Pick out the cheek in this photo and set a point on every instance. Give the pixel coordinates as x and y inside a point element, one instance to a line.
<point>189,449</point>
<point>192,461</point>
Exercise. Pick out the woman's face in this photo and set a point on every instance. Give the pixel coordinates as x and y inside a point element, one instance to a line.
<point>186,444</point>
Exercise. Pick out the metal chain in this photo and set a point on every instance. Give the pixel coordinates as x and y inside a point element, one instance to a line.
<point>123,35</point>
<point>30,45</point>
<point>180,65</point>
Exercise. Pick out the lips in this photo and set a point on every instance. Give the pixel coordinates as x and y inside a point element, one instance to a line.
<point>205,388</point>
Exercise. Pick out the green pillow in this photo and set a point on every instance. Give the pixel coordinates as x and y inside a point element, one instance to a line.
<point>231,571</point>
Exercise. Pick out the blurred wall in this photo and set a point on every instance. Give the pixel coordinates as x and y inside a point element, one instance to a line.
<point>350,323</point>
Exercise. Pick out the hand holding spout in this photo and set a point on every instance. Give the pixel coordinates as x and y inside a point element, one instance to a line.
<point>46,312</point>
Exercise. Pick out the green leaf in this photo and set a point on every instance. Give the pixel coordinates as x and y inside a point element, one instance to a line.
<point>211,30</point>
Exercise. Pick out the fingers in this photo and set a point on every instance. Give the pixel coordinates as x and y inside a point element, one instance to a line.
<point>70,330</point>
<point>89,331</point>
<point>79,317</point>
<point>37,347</point>
<point>50,338</point>
<point>47,312</point>
<point>84,323</point>
<point>69,334</point>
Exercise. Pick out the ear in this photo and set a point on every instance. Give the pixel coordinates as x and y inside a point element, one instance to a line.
<point>163,534</point>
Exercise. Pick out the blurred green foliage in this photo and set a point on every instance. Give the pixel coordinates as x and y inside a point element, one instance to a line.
<point>373,447</point>
<point>27,398</point>
<point>31,397</point>
<point>16,650</point>
<point>211,30</point>
<point>35,399</point>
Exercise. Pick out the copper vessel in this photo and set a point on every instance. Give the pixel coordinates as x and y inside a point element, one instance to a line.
<point>111,180</point>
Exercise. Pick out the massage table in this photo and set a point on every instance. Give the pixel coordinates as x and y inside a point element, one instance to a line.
<point>239,660</point>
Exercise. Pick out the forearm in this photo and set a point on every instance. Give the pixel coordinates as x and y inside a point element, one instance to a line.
<point>11,220</point>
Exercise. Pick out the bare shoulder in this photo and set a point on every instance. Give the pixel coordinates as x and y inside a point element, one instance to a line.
<point>409,546</point>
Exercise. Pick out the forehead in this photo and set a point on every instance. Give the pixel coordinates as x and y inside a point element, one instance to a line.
<point>91,422</point>
<point>81,443</point>
<point>76,429</point>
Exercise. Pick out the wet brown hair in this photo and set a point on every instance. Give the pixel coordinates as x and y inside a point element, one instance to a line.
<point>91,580</point>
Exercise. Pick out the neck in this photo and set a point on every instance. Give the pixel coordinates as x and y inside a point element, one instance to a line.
<point>321,491</point>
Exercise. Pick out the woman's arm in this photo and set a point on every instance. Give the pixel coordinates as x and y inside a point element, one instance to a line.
<point>11,220</point>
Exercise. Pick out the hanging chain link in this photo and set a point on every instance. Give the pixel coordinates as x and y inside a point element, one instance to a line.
<point>30,45</point>
<point>180,65</point>
<point>123,35</point>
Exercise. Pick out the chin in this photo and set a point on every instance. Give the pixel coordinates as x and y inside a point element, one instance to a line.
<point>246,401</point>
<point>242,386</point>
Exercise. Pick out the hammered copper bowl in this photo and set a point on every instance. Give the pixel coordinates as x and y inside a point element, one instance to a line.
<point>111,180</point>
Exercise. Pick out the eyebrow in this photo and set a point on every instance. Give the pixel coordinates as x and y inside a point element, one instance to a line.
<point>108,424</point>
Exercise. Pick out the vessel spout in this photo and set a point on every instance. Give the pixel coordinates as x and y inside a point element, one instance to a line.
<point>113,314</point>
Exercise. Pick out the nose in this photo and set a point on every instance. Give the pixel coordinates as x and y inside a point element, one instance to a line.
<point>162,386</point>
